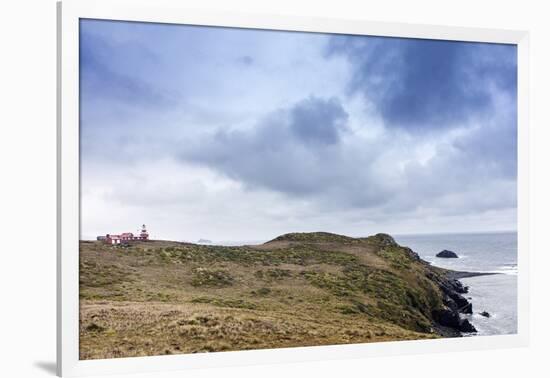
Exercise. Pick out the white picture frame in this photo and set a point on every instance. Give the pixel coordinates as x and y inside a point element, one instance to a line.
<point>69,13</point>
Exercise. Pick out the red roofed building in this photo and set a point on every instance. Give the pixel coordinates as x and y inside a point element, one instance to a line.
<point>125,237</point>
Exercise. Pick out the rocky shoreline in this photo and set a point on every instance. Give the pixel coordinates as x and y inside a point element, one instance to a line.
<point>450,322</point>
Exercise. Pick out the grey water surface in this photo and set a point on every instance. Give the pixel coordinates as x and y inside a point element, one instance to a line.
<point>490,252</point>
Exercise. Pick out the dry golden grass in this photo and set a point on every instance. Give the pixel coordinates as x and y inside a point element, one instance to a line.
<point>126,329</point>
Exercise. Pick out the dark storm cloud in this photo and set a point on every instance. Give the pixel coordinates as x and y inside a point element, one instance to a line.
<point>428,84</point>
<point>246,60</point>
<point>309,151</point>
<point>293,151</point>
<point>494,145</point>
<point>318,121</point>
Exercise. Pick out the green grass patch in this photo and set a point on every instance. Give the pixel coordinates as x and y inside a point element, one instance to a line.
<point>315,237</point>
<point>211,278</point>
<point>274,274</point>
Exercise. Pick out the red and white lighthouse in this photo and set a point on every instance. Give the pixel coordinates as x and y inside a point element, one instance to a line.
<point>143,235</point>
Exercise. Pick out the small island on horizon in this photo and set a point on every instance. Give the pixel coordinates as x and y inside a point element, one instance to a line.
<point>300,289</point>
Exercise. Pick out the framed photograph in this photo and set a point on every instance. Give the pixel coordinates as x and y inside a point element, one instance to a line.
<point>243,188</point>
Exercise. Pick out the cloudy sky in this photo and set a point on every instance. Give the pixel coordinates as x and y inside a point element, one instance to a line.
<point>234,134</point>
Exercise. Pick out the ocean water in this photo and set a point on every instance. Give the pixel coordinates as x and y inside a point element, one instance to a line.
<point>491,252</point>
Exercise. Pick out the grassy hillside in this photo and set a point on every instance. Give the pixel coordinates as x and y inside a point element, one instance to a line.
<point>307,289</point>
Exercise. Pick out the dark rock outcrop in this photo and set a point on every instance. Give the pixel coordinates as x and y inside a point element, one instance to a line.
<point>467,309</point>
<point>454,303</point>
<point>458,287</point>
<point>413,255</point>
<point>485,313</point>
<point>452,319</point>
<point>447,317</point>
<point>453,297</point>
<point>383,240</point>
<point>447,254</point>
<point>466,326</point>
<point>462,303</point>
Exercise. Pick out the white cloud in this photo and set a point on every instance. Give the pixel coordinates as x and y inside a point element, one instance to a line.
<point>218,155</point>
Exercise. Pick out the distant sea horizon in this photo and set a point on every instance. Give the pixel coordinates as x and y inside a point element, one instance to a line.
<point>237,242</point>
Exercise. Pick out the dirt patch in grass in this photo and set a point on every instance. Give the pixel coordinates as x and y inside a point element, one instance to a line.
<point>221,302</point>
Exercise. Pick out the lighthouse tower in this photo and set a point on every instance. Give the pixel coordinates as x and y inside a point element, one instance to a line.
<point>144,235</point>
